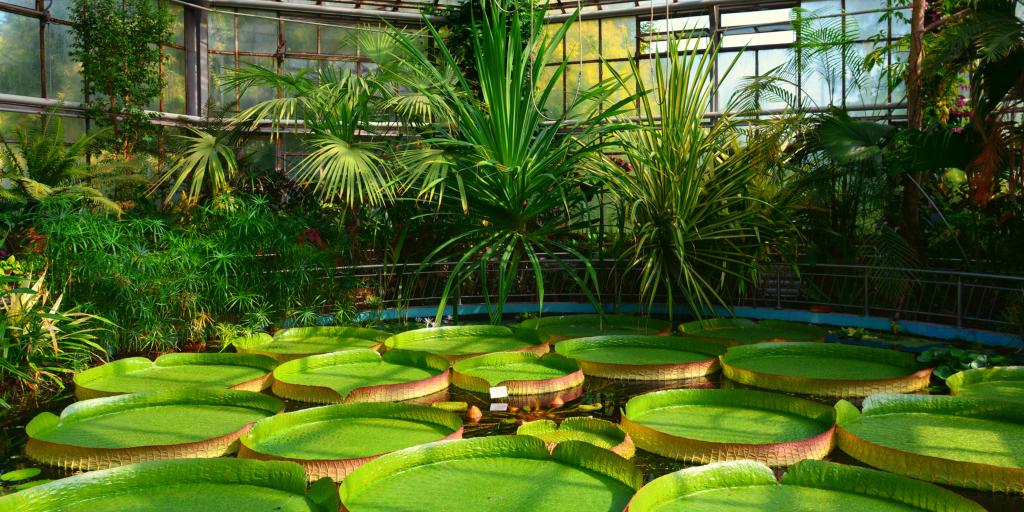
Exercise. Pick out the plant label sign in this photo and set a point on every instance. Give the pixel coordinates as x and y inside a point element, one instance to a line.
<point>499,392</point>
<point>499,407</point>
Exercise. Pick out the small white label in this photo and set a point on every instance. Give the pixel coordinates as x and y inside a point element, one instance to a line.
<point>499,392</point>
<point>499,407</point>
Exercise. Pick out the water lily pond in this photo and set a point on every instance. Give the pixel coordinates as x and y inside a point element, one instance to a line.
<point>669,416</point>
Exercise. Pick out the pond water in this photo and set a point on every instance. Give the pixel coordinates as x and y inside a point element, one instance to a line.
<point>602,398</point>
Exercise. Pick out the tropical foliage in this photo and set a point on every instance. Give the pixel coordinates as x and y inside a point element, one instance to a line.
<point>501,165</point>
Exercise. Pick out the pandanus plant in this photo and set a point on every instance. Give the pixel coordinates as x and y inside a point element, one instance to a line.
<point>508,171</point>
<point>690,195</point>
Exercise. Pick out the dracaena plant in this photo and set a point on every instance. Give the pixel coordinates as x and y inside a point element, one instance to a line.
<point>692,195</point>
<point>505,169</point>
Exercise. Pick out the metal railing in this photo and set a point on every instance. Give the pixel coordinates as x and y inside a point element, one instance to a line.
<point>960,299</point>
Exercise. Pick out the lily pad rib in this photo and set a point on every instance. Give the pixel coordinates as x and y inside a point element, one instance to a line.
<point>46,446</point>
<point>624,357</point>
<point>333,466</point>
<point>288,378</point>
<point>554,373</point>
<point>905,434</point>
<point>742,486</point>
<point>249,372</point>
<point>802,367</point>
<point>797,429</point>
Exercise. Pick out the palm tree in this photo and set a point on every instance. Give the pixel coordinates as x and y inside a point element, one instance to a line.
<point>334,108</point>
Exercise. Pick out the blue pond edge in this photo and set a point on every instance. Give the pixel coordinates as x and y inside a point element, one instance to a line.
<point>924,329</point>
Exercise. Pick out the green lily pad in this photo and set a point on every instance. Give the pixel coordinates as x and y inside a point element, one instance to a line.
<point>300,342</point>
<point>523,373</point>
<point>956,441</point>
<point>598,432</point>
<point>740,331</point>
<point>497,473</point>
<point>112,431</point>
<point>808,486</point>
<point>18,475</point>
<point>461,341</point>
<point>361,375</point>
<point>557,328</point>
<point>369,430</point>
<point>29,485</point>
<point>643,357</point>
<point>1002,383</point>
<point>247,372</point>
<point>182,486</point>
<point>824,369</point>
<point>708,425</point>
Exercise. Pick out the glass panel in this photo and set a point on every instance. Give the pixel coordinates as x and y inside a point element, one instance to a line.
<point>174,81</point>
<point>762,17</point>
<point>554,106</point>
<point>177,23</point>
<point>31,4</point>
<point>628,87</point>
<point>759,39</point>
<point>582,35</point>
<point>19,60</point>
<point>254,95</point>
<point>60,9</point>
<point>292,66</point>
<point>870,24</point>
<point>900,20</point>
<point>300,37</point>
<point>221,31</point>
<point>767,61</point>
<point>618,37</point>
<point>256,34</point>
<point>339,41</point>
<point>63,74</point>
<point>219,64</point>
<point>743,67</point>
<point>823,6</point>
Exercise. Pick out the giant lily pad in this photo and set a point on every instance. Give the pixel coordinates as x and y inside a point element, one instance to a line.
<point>461,341</point>
<point>711,425</point>
<point>361,375</point>
<point>299,342</point>
<point>523,373</point>
<point>955,441</point>
<point>366,430</point>
<point>808,486</point>
<point>113,431</point>
<point>497,473</point>
<point>740,331</point>
<point>557,328</point>
<point>1001,383</point>
<point>598,432</point>
<point>244,372</point>
<point>824,369</point>
<point>181,486</point>
<point>643,357</point>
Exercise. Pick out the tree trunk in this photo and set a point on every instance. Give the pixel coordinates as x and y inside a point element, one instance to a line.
<point>910,225</point>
